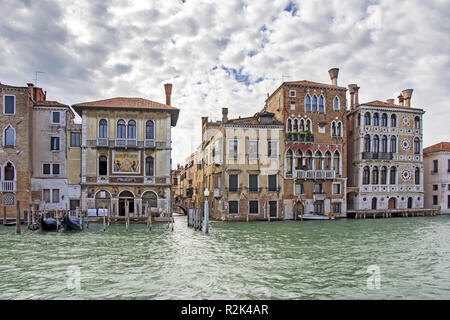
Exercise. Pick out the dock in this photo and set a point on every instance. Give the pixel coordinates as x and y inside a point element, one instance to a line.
<point>391,213</point>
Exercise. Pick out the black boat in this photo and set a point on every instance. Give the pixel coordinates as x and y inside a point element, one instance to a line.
<point>49,224</point>
<point>71,224</point>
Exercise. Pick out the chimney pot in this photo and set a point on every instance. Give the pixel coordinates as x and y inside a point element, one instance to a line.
<point>224,115</point>
<point>334,72</point>
<point>168,89</point>
<point>390,101</point>
<point>400,99</point>
<point>407,96</point>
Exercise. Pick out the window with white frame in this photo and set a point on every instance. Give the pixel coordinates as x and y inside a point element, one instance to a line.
<point>336,105</point>
<point>56,117</point>
<point>272,149</point>
<point>9,104</point>
<point>272,182</point>
<point>292,104</point>
<point>299,189</point>
<point>336,207</point>
<point>233,149</point>
<point>253,149</point>
<point>233,206</point>
<point>292,93</point>
<point>336,188</point>
<point>9,137</point>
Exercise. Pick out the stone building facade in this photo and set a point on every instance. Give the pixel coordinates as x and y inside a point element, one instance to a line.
<point>15,149</point>
<point>49,181</point>
<point>314,151</point>
<point>241,166</point>
<point>437,176</point>
<point>126,154</point>
<point>385,159</point>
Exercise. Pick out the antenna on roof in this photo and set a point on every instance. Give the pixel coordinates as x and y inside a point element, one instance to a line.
<point>36,79</point>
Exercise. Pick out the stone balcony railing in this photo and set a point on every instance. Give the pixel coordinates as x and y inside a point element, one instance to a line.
<point>377,155</point>
<point>7,186</point>
<point>127,143</point>
<point>315,174</point>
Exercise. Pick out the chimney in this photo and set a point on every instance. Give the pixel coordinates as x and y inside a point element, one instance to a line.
<point>333,75</point>
<point>224,115</point>
<point>351,90</point>
<point>30,90</point>
<point>168,88</point>
<point>407,96</point>
<point>400,99</point>
<point>390,101</point>
<point>204,120</point>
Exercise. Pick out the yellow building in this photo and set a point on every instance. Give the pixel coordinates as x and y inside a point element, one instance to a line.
<point>126,154</point>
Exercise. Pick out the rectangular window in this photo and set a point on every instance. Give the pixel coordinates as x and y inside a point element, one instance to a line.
<point>272,149</point>
<point>435,200</point>
<point>435,166</point>
<point>233,183</point>
<point>233,149</point>
<point>54,143</point>
<point>253,207</point>
<point>55,117</point>
<point>448,165</point>
<point>74,139</point>
<point>336,207</point>
<point>336,188</point>
<point>46,168</point>
<point>273,208</point>
<point>233,207</point>
<point>74,204</point>
<point>55,168</point>
<point>272,182</point>
<point>292,93</point>
<point>253,182</point>
<point>46,195</point>
<point>253,149</point>
<point>435,187</point>
<point>448,202</point>
<point>55,196</point>
<point>448,187</point>
<point>299,189</point>
<point>292,105</point>
<point>318,188</point>
<point>9,104</point>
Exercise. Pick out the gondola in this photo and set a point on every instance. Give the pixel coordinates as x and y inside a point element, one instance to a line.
<point>49,224</point>
<point>71,224</point>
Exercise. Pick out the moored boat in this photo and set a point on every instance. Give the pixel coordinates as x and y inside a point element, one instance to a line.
<point>49,224</point>
<point>316,216</point>
<point>71,224</point>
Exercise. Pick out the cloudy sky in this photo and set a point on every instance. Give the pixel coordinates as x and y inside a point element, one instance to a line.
<point>228,53</point>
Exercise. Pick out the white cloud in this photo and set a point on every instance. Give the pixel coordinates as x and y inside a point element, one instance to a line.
<point>94,50</point>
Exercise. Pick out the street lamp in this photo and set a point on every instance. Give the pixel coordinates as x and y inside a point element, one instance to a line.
<point>206,194</point>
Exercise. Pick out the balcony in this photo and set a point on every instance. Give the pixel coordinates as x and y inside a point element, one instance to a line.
<point>126,143</point>
<point>149,143</point>
<point>102,142</point>
<point>8,186</point>
<point>377,155</point>
<point>315,174</point>
<point>300,137</point>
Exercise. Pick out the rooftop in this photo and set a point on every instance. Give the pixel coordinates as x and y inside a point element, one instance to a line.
<point>441,146</point>
<point>129,103</point>
<point>378,103</point>
<point>314,84</point>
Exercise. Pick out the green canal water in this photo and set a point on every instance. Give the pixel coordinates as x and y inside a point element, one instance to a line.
<point>236,260</point>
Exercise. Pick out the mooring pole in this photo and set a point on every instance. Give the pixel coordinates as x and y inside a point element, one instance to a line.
<point>28,219</point>
<point>57,220</point>
<point>104,218</point>
<point>18,218</point>
<point>32,216</point>
<point>207,216</point>
<point>4,214</point>
<point>126,215</point>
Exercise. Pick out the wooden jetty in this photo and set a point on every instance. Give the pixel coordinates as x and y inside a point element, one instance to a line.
<point>391,213</point>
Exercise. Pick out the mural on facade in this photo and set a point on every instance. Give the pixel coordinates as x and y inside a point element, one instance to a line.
<point>126,162</point>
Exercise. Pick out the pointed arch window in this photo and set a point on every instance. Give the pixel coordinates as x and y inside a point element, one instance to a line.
<point>9,137</point>
<point>298,160</point>
<point>393,148</point>
<point>417,176</point>
<point>103,128</point>
<point>289,125</point>
<point>375,175</point>
<point>393,120</point>
<point>336,103</point>
<point>337,162</point>
<point>319,161</point>
<point>289,159</point>
<point>333,129</point>
<point>131,134</point>
<point>384,120</point>
<point>308,125</point>
<point>339,129</point>
<point>308,103</point>
<point>302,125</point>
<point>149,167</point>
<point>321,104</point>
<point>9,172</point>
<point>376,144</point>
<point>383,175</point>
<point>308,162</point>
<point>366,175</point>
<point>416,146</point>
<point>149,129</point>
<point>295,129</point>
<point>393,176</point>
<point>314,103</point>
<point>328,161</point>
<point>384,144</point>
<point>366,143</point>
<point>376,119</point>
<point>417,122</point>
<point>367,119</point>
<point>121,129</point>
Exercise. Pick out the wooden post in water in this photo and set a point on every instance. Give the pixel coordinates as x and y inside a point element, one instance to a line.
<point>18,218</point>
<point>109,215</point>
<point>127,215</point>
<point>4,214</point>
<point>28,219</point>
<point>104,218</point>
<point>57,220</point>
<point>32,215</point>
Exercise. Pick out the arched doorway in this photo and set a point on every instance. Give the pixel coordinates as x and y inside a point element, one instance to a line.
<point>299,209</point>
<point>374,203</point>
<point>149,199</point>
<point>102,200</point>
<point>392,203</point>
<point>123,197</point>
<point>410,203</point>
